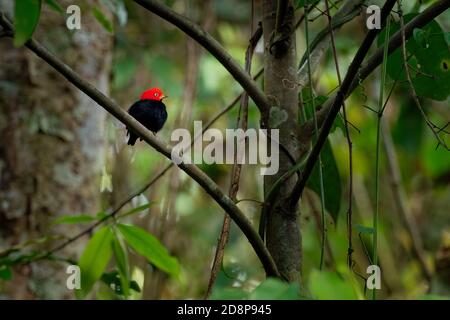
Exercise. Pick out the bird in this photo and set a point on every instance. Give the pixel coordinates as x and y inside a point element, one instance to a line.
<point>150,111</point>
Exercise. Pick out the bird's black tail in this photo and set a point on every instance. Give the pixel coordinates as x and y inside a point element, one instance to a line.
<point>132,139</point>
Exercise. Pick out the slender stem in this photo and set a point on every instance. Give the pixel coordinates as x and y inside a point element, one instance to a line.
<point>377,155</point>
<point>349,143</point>
<point>322,193</point>
<point>235,171</point>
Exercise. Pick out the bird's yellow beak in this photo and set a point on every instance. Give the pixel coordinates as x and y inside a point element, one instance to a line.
<point>163,97</point>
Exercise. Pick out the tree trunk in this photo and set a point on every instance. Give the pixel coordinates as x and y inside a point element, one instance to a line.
<point>280,84</point>
<point>51,143</point>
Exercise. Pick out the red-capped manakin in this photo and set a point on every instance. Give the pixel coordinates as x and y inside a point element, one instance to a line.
<point>150,111</point>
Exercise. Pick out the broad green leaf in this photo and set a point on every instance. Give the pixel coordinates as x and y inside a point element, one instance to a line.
<point>121,256</point>
<point>408,131</point>
<point>135,286</point>
<point>54,6</point>
<point>102,19</point>
<point>274,289</point>
<point>430,77</point>
<point>148,246</point>
<point>26,18</point>
<point>137,209</point>
<point>74,219</point>
<point>421,37</point>
<point>331,181</point>
<point>5,273</point>
<point>94,259</point>
<point>326,285</point>
<point>364,230</point>
<point>435,161</point>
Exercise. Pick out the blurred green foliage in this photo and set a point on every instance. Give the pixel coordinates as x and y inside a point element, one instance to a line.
<point>174,244</point>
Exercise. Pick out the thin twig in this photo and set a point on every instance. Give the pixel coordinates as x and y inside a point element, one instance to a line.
<point>316,132</point>
<point>330,262</point>
<point>381,103</point>
<point>235,171</point>
<point>349,144</point>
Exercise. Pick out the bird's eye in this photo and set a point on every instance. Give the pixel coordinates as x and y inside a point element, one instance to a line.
<point>155,94</point>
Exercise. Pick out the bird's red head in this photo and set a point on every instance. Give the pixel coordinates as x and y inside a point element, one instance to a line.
<point>153,94</point>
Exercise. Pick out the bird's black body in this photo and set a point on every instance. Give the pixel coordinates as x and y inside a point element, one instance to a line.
<point>151,113</point>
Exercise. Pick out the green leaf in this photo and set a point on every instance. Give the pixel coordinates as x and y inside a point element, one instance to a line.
<point>94,259</point>
<point>274,289</point>
<point>325,285</point>
<point>364,230</point>
<point>331,181</point>
<point>102,19</point>
<point>5,273</point>
<point>54,6</point>
<point>121,257</point>
<point>135,286</point>
<point>421,37</point>
<point>148,246</point>
<point>430,77</point>
<point>26,18</point>
<point>408,131</point>
<point>137,209</point>
<point>74,219</point>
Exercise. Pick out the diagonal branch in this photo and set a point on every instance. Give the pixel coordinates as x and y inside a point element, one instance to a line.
<point>193,171</point>
<point>344,90</point>
<point>213,46</point>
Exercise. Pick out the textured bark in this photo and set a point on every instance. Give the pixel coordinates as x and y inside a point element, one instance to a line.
<point>51,143</point>
<point>280,85</point>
